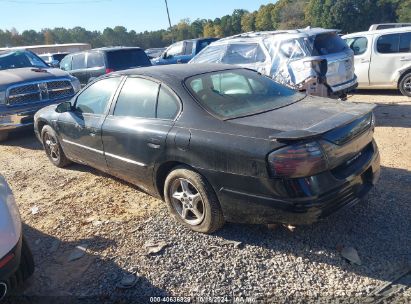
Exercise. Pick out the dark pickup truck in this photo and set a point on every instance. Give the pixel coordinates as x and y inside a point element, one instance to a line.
<point>182,51</point>
<point>28,84</point>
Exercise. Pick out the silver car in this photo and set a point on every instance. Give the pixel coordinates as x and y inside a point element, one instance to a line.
<point>314,60</point>
<point>16,261</point>
<point>382,58</point>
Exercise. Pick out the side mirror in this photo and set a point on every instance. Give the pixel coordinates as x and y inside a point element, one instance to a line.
<point>64,107</point>
<point>164,55</point>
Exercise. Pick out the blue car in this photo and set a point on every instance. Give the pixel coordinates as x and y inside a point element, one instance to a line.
<point>182,51</point>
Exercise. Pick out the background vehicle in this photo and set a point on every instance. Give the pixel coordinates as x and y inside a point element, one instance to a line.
<point>89,65</point>
<point>154,52</point>
<point>182,51</point>
<point>293,58</point>
<point>53,60</point>
<point>291,158</point>
<point>27,84</point>
<point>16,261</point>
<point>382,58</point>
<point>51,48</point>
<point>384,26</point>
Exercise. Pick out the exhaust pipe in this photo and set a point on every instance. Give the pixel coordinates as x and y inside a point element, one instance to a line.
<point>3,290</point>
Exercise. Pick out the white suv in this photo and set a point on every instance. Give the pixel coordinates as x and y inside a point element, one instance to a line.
<point>16,261</point>
<point>382,58</point>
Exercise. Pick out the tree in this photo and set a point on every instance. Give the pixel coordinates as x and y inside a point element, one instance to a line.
<point>248,22</point>
<point>263,21</point>
<point>208,30</point>
<point>404,11</point>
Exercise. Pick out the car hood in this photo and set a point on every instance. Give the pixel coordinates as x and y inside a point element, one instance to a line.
<point>14,76</point>
<point>309,117</point>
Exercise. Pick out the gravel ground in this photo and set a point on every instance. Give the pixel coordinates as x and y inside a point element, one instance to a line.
<point>113,220</point>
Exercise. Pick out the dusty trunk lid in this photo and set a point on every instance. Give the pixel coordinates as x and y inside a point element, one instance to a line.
<point>342,128</point>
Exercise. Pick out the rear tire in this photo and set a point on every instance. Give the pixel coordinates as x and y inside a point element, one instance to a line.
<point>192,201</point>
<point>53,148</point>
<point>405,85</point>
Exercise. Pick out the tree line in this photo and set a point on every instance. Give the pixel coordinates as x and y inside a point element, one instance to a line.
<point>346,15</point>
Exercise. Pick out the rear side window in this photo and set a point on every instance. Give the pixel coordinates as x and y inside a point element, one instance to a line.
<point>405,43</point>
<point>168,105</point>
<point>79,62</point>
<point>328,43</point>
<point>127,59</point>
<point>388,44</point>
<point>358,45</point>
<point>95,60</point>
<point>137,98</point>
<point>95,98</point>
<point>59,57</point>
<point>65,64</point>
<point>243,54</point>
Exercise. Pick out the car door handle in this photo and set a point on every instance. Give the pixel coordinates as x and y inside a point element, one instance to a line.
<point>92,134</point>
<point>154,143</point>
<point>365,60</point>
<point>405,59</point>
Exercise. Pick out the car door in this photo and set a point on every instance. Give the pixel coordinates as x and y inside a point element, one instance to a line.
<point>95,65</point>
<point>386,60</point>
<point>362,47</point>
<point>135,131</point>
<point>79,68</point>
<point>80,129</point>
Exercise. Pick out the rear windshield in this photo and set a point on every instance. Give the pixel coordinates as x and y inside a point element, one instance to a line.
<point>20,59</point>
<point>328,43</point>
<point>236,93</point>
<point>127,59</point>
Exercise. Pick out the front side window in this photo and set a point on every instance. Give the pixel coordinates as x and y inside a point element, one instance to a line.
<point>95,98</point>
<point>211,54</point>
<point>358,45</point>
<point>388,44</point>
<point>79,62</point>
<point>95,60</point>
<point>236,93</point>
<point>137,98</point>
<point>175,50</point>
<point>65,64</point>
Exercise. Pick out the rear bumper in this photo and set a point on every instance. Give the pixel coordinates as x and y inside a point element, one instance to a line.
<point>344,88</point>
<point>307,206</point>
<point>14,118</point>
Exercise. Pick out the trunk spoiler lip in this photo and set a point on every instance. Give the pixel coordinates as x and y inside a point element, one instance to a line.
<point>338,120</point>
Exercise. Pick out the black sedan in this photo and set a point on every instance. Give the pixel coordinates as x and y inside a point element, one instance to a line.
<point>218,143</point>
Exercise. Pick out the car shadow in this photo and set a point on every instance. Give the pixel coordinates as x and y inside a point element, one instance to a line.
<point>393,114</point>
<point>378,92</point>
<point>377,228</point>
<point>92,278</point>
<point>24,139</point>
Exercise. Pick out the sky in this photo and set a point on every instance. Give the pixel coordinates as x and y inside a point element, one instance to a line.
<point>138,15</point>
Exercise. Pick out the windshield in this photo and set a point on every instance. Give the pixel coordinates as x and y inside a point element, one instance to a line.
<point>236,93</point>
<point>328,43</point>
<point>126,59</point>
<point>20,59</point>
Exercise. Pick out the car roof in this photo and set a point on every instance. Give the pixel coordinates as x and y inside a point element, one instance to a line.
<point>384,31</point>
<point>177,72</point>
<point>267,34</point>
<point>116,48</point>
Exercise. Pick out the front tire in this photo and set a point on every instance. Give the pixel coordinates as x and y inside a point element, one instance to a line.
<point>192,201</point>
<point>3,136</point>
<point>405,85</point>
<point>53,148</point>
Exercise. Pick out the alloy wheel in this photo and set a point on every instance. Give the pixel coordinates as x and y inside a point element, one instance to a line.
<point>187,201</point>
<point>407,85</point>
<point>51,146</point>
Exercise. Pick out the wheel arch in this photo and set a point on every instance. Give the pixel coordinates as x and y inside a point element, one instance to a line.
<point>402,75</point>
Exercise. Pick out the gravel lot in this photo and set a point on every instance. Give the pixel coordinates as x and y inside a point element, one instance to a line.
<point>79,206</point>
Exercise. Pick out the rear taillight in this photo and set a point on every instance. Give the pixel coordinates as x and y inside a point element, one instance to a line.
<point>108,70</point>
<point>299,160</point>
